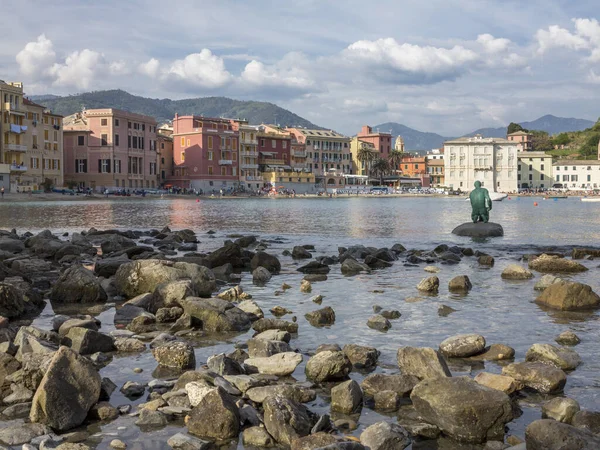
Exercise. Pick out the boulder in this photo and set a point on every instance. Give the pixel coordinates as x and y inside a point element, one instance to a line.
<point>385,436</point>
<point>508,385</point>
<point>107,267</point>
<point>171,294</point>
<point>142,276</point>
<point>352,267</point>
<point>587,420</point>
<point>314,268</point>
<point>78,285</point>
<point>479,230</point>
<point>224,365</point>
<point>12,303</point>
<point>167,315</point>
<point>567,338</point>
<point>280,364</point>
<point>361,357</point>
<point>314,441</point>
<point>495,352</point>
<point>561,409</point>
<point>563,358</point>
<point>422,362</point>
<point>251,308</point>
<point>547,434</point>
<point>11,245</point>
<point>70,387</point>
<point>569,296</point>
<point>305,286</point>
<point>215,417</point>
<point>516,272</point>
<point>263,348</point>
<point>262,325</point>
<point>544,378</point>
<point>269,262</point>
<point>430,285</point>
<point>463,409</point>
<point>175,354</point>
<point>555,264</point>
<point>216,315</point>
<point>126,313</point>
<point>347,397</point>
<point>328,366</point>
<point>257,437</point>
<point>379,382</point>
<point>379,323</point>
<point>89,323</point>
<point>460,284</point>
<point>298,393</point>
<point>129,345</point>
<point>111,243</point>
<point>546,281</point>
<point>286,419</point>
<point>230,253</point>
<point>22,434</point>
<point>299,252</point>
<point>486,260</point>
<point>462,345</point>
<point>182,441</point>
<point>87,342</point>
<point>260,276</point>
<point>321,317</point>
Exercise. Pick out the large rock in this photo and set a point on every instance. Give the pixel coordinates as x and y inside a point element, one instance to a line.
<point>569,296</point>
<point>508,385</point>
<point>215,417</point>
<point>462,345</point>
<point>379,382</point>
<point>555,264</point>
<point>479,230</point>
<point>70,387</point>
<point>142,276</point>
<point>176,354</point>
<point>460,284</point>
<point>544,378</point>
<point>321,317</point>
<point>262,325</point>
<point>361,357</point>
<point>347,397</point>
<point>22,433</point>
<point>87,342</point>
<point>587,420</point>
<point>298,393</point>
<point>286,419</point>
<point>107,267</point>
<point>516,272</point>
<point>385,436</point>
<point>563,358</point>
<point>328,366</point>
<point>110,243</point>
<point>228,254</point>
<point>547,434</point>
<point>78,285</point>
<point>546,281</point>
<point>463,409</point>
<point>11,245</point>
<point>299,252</point>
<point>422,362</point>
<point>263,348</point>
<point>216,315</point>
<point>12,303</point>
<point>269,262</point>
<point>280,364</point>
<point>352,267</point>
<point>430,285</point>
<point>562,409</point>
<point>260,276</point>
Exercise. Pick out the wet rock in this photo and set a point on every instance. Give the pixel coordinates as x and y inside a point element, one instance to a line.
<point>546,281</point>
<point>567,338</point>
<point>89,323</point>
<point>315,277</point>
<point>314,441</point>
<point>321,317</point>
<point>305,287</point>
<point>17,411</point>
<point>547,434</point>
<point>118,444</point>
<point>143,324</point>
<point>70,387</point>
<point>86,342</point>
<point>8,366</point>
<point>257,437</point>
<point>286,420</point>
<point>216,315</point>
<point>315,268</point>
<point>262,325</point>
<point>132,389</point>
<point>251,308</point>
<point>347,397</point>
<point>260,276</point>
<point>429,284</point>
<point>462,345</point>
<point>431,269</point>
<point>21,434</point>
<point>463,409</point>
<point>103,411</point>
<point>352,267</point>
<point>78,285</point>
<point>486,260</point>
<point>376,263</point>
<point>294,392</point>
<point>378,382</point>
<point>151,419</point>
<point>444,310</point>
<point>274,335</point>
<point>555,264</point>
<point>281,364</point>
<point>503,383</point>
<point>328,366</point>
<point>177,355</point>
<point>223,365</point>
<point>479,230</point>
<point>107,267</point>
<point>166,315</point>
<point>170,294</point>
<point>541,377</point>
<point>378,322</point>
<point>215,417</point>
<point>12,303</point>
<point>362,357</point>
<point>385,436</point>
<point>560,409</point>
<point>20,394</point>
<point>197,390</point>
<point>235,293</point>
<point>516,272</point>
<point>182,441</point>
<point>569,296</point>
<point>269,262</point>
<point>126,313</point>
<point>279,311</point>
<point>299,252</point>
<point>587,420</point>
<point>422,362</point>
<point>142,276</point>
<point>386,401</point>
<point>495,352</point>
<point>562,358</point>
<point>260,348</point>
<point>460,284</point>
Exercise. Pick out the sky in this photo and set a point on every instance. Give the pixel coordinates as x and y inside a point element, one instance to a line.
<point>445,66</point>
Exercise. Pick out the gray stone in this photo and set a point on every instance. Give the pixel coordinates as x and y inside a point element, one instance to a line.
<point>21,434</point>
<point>86,342</point>
<point>280,364</point>
<point>587,420</point>
<point>462,345</point>
<point>216,315</point>
<point>379,323</point>
<point>569,296</point>
<point>261,276</point>
<point>379,382</point>
<point>328,366</point>
<point>546,281</point>
<point>321,317</point>
<point>555,264</point>
<point>258,437</point>
<point>286,419</point>
<point>563,358</point>
<point>361,357</point>
<point>479,230</point>
<point>544,378</point>
<point>215,417</point>
<point>460,284</point>
<point>177,355</point>
<point>422,362</point>
<point>78,285</point>
<point>430,285</point>
<point>347,397</point>
<point>385,436</point>
<point>567,338</point>
<point>151,419</point>
<point>561,409</point>
<point>516,272</point>
<point>547,434</point>
<point>294,392</point>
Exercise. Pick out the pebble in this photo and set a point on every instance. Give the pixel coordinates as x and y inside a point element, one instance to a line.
<point>118,444</point>
<point>138,370</point>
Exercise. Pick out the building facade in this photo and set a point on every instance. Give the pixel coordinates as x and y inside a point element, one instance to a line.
<point>205,154</point>
<point>328,153</point>
<point>111,149</point>
<point>535,171</point>
<point>435,170</point>
<point>164,140</point>
<point>577,174</point>
<point>523,138</point>
<point>492,161</point>
<point>250,174</point>
<point>416,167</point>
<point>378,142</point>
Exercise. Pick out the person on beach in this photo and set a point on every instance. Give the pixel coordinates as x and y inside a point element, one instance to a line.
<point>2,191</point>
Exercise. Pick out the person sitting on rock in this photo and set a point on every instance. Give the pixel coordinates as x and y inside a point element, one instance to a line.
<point>481,203</point>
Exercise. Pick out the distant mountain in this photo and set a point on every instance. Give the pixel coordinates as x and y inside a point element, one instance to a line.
<point>165,109</point>
<point>550,124</point>
<point>490,132</point>
<point>413,139</point>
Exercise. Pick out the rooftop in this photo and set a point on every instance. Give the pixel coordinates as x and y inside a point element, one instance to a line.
<point>533,155</point>
<point>519,133</point>
<point>321,133</point>
<point>479,140</point>
<point>577,162</point>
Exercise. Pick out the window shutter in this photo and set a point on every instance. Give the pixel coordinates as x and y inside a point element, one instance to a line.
<point>85,166</point>
<point>108,165</point>
<point>76,166</point>
<point>99,166</point>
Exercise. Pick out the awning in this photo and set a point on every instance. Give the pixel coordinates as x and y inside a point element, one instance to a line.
<point>278,167</point>
<point>268,153</point>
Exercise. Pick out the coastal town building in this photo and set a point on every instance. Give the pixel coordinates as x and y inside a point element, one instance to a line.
<point>328,153</point>
<point>250,174</point>
<point>535,170</point>
<point>357,147</point>
<point>274,149</point>
<point>205,154</point>
<point>492,161</point>
<point>164,142</point>
<point>524,140</point>
<point>435,170</point>
<point>577,174</point>
<point>110,149</point>
<point>416,167</point>
<point>31,142</point>
<point>380,143</point>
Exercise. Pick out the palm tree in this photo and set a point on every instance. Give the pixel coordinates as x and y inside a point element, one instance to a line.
<point>380,166</point>
<point>395,159</point>
<point>365,155</point>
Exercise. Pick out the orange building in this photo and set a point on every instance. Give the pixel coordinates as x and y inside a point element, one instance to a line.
<point>415,167</point>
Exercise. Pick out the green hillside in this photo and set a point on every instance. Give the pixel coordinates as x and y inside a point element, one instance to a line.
<point>165,109</point>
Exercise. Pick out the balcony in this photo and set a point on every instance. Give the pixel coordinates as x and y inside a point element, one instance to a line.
<point>249,141</point>
<point>249,166</point>
<point>252,178</point>
<point>225,162</point>
<point>273,162</point>
<point>18,168</point>
<point>16,148</point>
<point>298,154</point>
<point>13,109</point>
<point>247,153</point>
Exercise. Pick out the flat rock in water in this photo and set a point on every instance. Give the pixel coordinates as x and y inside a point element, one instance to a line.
<point>479,229</point>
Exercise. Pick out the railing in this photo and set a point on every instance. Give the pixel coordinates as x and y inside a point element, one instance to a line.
<point>18,168</point>
<point>225,162</point>
<point>16,147</point>
<point>249,141</point>
<point>299,154</point>
<point>247,153</point>
<point>249,166</point>
<point>272,161</point>
<point>253,178</point>
<point>12,107</point>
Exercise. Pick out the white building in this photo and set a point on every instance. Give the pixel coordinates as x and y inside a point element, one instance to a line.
<point>577,174</point>
<point>535,170</point>
<point>492,161</point>
<point>434,154</point>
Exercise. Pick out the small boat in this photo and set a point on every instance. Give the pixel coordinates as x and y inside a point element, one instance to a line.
<point>555,197</point>
<point>590,199</point>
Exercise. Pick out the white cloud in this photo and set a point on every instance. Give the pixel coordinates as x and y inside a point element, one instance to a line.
<point>118,68</point>
<point>149,68</point>
<point>586,36</point>
<point>202,69</point>
<point>492,44</point>
<point>593,77</point>
<point>36,57</point>
<point>79,69</point>
<point>289,72</point>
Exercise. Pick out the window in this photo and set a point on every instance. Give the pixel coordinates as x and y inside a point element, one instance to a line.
<point>35,142</point>
<point>210,170</point>
<point>284,144</point>
<point>80,140</point>
<point>104,166</point>
<point>542,167</point>
<point>104,140</point>
<point>182,156</point>
<point>234,171</point>
<point>273,143</point>
<point>104,122</point>
<point>530,177</point>
<point>234,156</point>
<point>210,142</point>
<point>574,178</point>
<point>188,142</point>
<point>183,141</point>
<point>143,127</point>
<point>574,168</point>
<point>117,166</point>
<point>262,142</point>
<point>223,170</point>
<point>530,166</point>
<point>510,174</point>
<point>116,140</point>
<point>542,177</point>
<point>162,145</point>
<point>46,135</point>
<point>129,126</point>
<point>589,178</point>
<point>116,122</point>
<point>210,156</point>
<point>81,166</point>
<point>557,167</point>
<point>128,141</point>
<point>135,142</point>
<point>55,136</point>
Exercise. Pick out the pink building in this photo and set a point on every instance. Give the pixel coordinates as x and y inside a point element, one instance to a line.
<point>381,141</point>
<point>523,138</point>
<point>205,154</point>
<point>274,149</point>
<point>110,149</point>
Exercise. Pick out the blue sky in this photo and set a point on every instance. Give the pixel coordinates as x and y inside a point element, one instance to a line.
<point>445,66</point>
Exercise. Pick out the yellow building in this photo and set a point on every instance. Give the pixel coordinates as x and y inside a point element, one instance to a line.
<point>535,170</point>
<point>356,145</point>
<point>288,179</point>
<point>32,141</point>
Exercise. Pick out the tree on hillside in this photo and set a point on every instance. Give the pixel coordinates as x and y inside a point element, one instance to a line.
<point>590,148</point>
<point>540,141</point>
<point>561,139</point>
<point>380,167</point>
<point>365,155</point>
<point>395,160</point>
<point>514,127</point>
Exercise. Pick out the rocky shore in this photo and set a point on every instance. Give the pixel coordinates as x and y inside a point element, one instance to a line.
<point>171,298</point>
